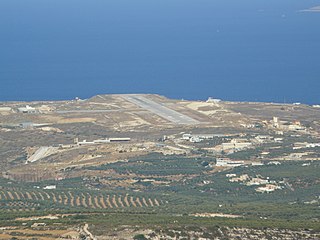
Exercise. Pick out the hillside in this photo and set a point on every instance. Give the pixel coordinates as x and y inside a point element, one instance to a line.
<point>155,166</point>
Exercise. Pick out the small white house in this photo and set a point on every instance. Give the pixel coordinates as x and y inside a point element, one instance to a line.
<point>50,187</point>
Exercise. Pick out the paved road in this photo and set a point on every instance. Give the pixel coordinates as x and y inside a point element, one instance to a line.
<point>86,230</point>
<point>160,110</point>
<point>89,111</point>
<point>40,153</point>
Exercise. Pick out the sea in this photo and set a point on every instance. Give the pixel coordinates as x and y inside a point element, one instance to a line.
<point>248,50</point>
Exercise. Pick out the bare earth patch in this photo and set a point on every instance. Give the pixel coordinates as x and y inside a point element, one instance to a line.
<point>215,215</point>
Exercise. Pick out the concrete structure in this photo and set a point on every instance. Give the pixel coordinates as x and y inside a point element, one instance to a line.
<point>50,187</point>
<point>5,109</point>
<point>257,164</point>
<point>313,145</point>
<point>213,100</point>
<point>275,122</point>
<point>26,125</point>
<point>66,146</point>
<point>27,109</point>
<point>186,136</point>
<point>42,152</point>
<point>159,109</point>
<point>199,137</point>
<point>257,181</point>
<point>284,125</point>
<point>296,127</point>
<point>99,141</point>
<point>263,138</point>
<point>225,162</point>
<point>236,144</point>
<point>279,132</point>
<point>205,136</point>
<point>267,188</point>
<point>274,163</point>
<point>278,140</point>
<point>84,142</point>
<point>242,178</point>
<point>119,139</point>
<point>229,175</point>
<point>300,145</point>
<point>195,140</point>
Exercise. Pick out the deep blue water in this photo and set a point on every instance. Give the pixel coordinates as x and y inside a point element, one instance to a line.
<point>249,50</point>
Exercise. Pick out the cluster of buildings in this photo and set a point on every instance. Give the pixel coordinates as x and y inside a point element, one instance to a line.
<point>264,184</point>
<point>195,138</point>
<point>27,109</point>
<point>235,145</point>
<point>267,139</point>
<point>287,126</point>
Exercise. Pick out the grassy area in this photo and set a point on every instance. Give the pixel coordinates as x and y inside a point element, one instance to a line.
<point>157,165</point>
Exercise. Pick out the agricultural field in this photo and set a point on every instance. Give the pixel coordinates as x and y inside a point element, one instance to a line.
<point>17,200</point>
<point>183,194</point>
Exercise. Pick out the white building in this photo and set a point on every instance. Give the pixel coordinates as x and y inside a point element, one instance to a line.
<point>50,187</point>
<point>186,136</point>
<point>198,137</point>
<point>275,122</point>
<point>27,109</point>
<point>195,139</point>
<point>98,141</point>
<point>236,144</point>
<point>313,145</point>
<point>84,142</point>
<point>213,100</point>
<point>225,162</point>
<point>257,181</point>
<point>278,140</point>
<point>268,188</point>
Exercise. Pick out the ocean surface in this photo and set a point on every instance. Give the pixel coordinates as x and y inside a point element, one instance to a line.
<point>248,50</point>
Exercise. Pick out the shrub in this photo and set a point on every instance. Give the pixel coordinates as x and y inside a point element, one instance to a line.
<point>139,237</point>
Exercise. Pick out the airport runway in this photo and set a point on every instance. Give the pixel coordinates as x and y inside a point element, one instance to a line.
<point>160,110</point>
